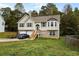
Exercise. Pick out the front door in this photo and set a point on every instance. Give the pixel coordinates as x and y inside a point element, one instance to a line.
<point>37,26</point>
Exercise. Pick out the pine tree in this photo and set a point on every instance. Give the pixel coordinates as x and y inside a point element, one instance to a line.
<point>20,7</point>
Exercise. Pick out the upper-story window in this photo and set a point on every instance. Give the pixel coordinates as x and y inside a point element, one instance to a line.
<point>21,25</point>
<point>29,24</point>
<point>43,24</point>
<point>55,23</point>
<point>48,24</point>
<point>51,23</point>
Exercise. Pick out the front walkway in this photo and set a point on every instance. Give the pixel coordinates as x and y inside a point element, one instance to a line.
<point>11,40</point>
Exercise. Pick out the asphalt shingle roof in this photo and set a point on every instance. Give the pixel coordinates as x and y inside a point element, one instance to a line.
<point>45,18</point>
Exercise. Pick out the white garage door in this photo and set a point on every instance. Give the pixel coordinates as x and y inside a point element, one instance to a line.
<point>29,32</point>
<point>22,32</point>
<point>25,32</point>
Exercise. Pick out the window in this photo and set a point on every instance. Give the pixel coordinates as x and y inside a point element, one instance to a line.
<point>55,23</point>
<point>43,24</point>
<point>21,24</point>
<point>51,23</point>
<point>3,23</point>
<point>48,24</point>
<point>51,32</point>
<point>29,24</point>
<point>37,26</point>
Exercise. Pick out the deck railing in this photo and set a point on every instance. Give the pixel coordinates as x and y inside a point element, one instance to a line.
<point>33,35</point>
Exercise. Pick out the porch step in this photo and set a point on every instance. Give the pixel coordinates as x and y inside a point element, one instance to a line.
<point>33,35</point>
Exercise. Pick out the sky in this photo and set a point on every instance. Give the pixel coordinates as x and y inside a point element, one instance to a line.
<point>37,6</point>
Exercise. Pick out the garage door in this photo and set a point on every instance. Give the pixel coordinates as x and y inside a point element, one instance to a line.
<point>25,32</point>
<point>29,32</point>
<point>22,32</point>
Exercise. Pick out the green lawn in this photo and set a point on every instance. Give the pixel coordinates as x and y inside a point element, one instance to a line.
<point>7,34</point>
<point>38,47</point>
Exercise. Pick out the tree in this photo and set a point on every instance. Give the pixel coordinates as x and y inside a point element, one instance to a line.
<point>17,14</point>
<point>34,13</point>
<point>68,24</point>
<point>11,18</point>
<point>67,9</point>
<point>76,11</point>
<point>6,14</point>
<point>14,18</point>
<point>49,9</point>
<point>52,9</point>
<point>20,7</point>
<point>76,14</point>
<point>43,11</point>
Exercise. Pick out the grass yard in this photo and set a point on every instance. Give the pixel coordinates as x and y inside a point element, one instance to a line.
<point>38,47</point>
<point>7,34</point>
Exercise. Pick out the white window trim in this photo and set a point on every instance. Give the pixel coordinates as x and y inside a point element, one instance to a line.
<point>21,24</point>
<point>52,33</point>
<point>43,24</point>
<point>29,24</point>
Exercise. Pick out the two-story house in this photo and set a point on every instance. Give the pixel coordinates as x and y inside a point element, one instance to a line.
<point>47,26</point>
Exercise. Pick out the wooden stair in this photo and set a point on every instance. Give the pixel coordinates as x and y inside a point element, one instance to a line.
<point>33,35</point>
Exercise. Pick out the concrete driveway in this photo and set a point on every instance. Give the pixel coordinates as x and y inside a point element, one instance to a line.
<point>11,40</point>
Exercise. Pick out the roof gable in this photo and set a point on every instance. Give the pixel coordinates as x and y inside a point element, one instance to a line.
<point>53,19</point>
<point>23,19</point>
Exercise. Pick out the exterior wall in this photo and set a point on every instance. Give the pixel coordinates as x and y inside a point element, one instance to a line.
<point>41,33</point>
<point>46,34</point>
<point>26,29</point>
<point>2,24</point>
<point>54,27</point>
<point>44,30</point>
<point>40,26</point>
<point>50,28</point>
<point>25,26</point>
